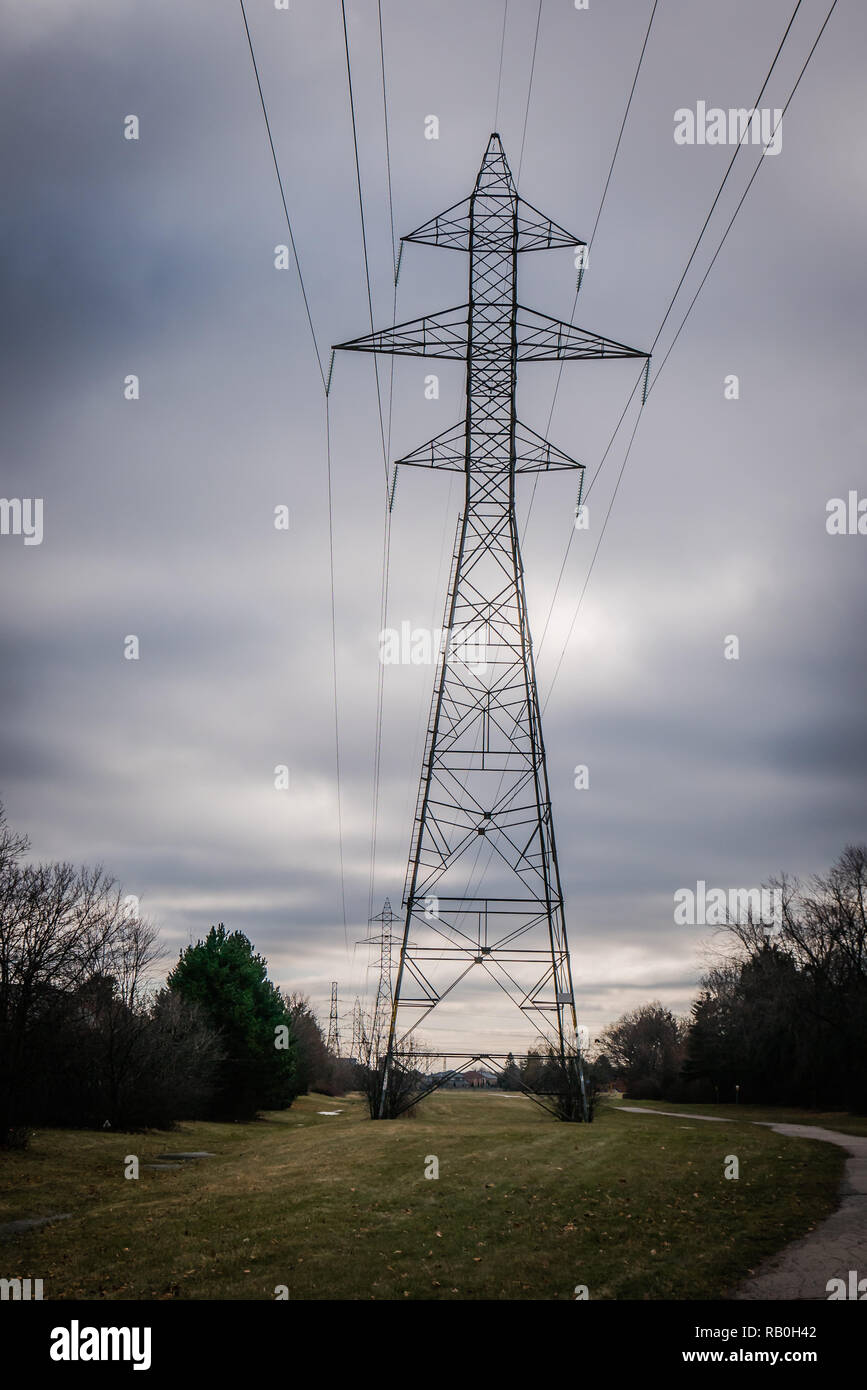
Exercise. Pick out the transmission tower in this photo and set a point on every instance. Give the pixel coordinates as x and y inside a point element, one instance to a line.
<point>484,782</point>
<point>333,1042</point>
<point>356,1051</point>
<point>388,943</point>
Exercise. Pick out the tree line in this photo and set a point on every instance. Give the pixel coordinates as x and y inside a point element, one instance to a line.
<point>87,1041</point>
<point>781,1017</point>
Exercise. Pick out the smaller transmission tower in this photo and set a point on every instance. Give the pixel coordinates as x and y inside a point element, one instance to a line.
<point>357,1031</point>
<point>333,1043</point>
<point>388,942</point>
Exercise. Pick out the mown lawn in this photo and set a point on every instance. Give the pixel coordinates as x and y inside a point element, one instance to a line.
<point>840,1120</point>
<point>337,1207</point>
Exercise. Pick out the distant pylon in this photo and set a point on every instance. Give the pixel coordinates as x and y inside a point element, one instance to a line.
<point>388,942</point>
<point>333,1043</point>
<point>484,804</point>
<point>356,1051</point>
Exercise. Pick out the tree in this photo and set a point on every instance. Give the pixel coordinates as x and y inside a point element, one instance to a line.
<point>137,1067</point>
<point>230,984</point>
<point>646,1046</point>
<point>510,1077</point>
<point>318,1069</point>
<point>68,944</point>
<point>785,1015</point>
<point>181,1058</point>
<point>533,1070</point>
<point>405,1075</point>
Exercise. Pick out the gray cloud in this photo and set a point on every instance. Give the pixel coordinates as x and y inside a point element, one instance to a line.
<point>157,258</point>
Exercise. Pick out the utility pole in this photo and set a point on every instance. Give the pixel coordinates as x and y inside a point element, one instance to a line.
<point>484,805</point>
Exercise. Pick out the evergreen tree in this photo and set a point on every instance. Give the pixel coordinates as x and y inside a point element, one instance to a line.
<point>510,1077</point>
<point>230,984</point>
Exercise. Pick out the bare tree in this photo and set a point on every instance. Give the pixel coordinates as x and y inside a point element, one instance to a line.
<point>60,928</point>
<point>406,1075</point>
<point>813,965</point>
<point>647,1046</point>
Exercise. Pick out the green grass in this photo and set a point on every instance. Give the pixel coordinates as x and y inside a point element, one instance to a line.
<point>839,1120</point>
<point>339,1208</point>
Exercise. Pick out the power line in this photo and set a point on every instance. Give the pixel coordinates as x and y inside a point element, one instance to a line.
<point>363,229</point>
<point>283,196</point>
<point>325,384</point>
<point>334,668</point>
<point>740,204</point>
<point>384,436</point>
<point>673,298</point>
<point>386,538</point>
<point>686,316</point>
<point>623,122</point>
<point>500,75</point>
<point>738,148</point>
<point>679,284</point>
<point>529,89</point>
<point>387,143</point>
<point>589,245</point>
<point>585,496</point>
<point>593,559</point>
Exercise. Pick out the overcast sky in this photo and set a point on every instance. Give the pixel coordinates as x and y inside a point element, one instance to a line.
<point>155,257</point>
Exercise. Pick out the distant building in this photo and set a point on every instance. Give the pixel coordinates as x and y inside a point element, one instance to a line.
<point>449,1080</point>
<point>481,1079</point>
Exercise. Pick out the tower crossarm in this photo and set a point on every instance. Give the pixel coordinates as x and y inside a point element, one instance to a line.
<point>447,450</point>
<point>451,229</point>
<point>543,339</point>
<point>445,334</point>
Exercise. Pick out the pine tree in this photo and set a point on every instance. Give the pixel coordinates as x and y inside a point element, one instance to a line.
<point>230,984</point>
<point>510,1077</point>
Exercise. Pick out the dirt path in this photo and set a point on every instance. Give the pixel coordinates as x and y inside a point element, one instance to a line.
<point>838,1245</point>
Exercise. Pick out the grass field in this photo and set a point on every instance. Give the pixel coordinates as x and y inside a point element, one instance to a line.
<point>337,1207</point>
<point>840,1120</point>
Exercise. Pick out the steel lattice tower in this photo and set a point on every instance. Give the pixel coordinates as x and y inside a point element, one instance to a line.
<point>386,941</point>
<point>357,1030</point>
<point>484,782</point>
<point>333,1040</point>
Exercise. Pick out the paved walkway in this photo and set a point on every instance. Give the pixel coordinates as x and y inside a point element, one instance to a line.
<point>838,1245</point>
